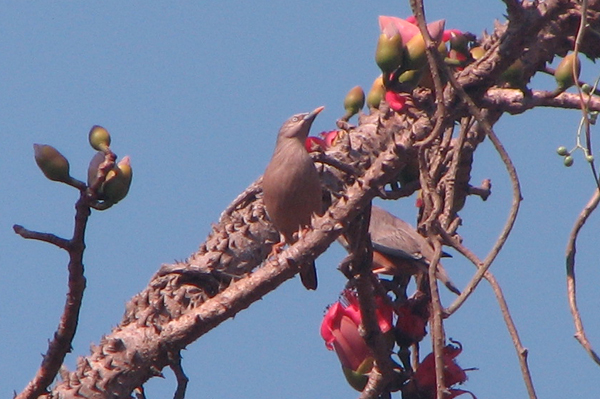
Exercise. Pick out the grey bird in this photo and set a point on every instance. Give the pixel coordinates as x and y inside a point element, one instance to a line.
<point>291,186</point>
<point>398,249</point>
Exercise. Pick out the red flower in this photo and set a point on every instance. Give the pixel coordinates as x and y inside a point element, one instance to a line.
<point>422,383</point>
<point>340,332</point>
<point>314,144</point>
<point>412,320</point>
<point>395,100</point>
<point>330,137</point>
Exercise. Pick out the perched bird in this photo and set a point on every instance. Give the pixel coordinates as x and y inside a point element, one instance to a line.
<point>291,185</point>
<point>398,249</point>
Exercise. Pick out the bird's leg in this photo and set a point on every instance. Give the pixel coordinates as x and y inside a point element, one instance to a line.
<point>277,247</point>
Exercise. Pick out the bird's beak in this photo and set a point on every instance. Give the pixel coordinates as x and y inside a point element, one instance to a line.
<point>312,115</point>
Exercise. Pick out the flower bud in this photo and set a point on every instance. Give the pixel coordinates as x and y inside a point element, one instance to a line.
<point>414,54</point>
<point>477,52</point>
<point>562,151</point>
<point>99,138</point>
<point>513,75</point>
<point>354,101</point>
<point>410,79</point>
<point>389,52</point>
<point>568,161</point>
<point>118,181</point>
<point>564,71</point>
<point>92,172</point>
<point>52,163</point>
<point>376,94</point>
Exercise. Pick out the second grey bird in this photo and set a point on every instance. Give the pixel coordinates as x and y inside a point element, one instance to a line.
<point>398,249</point>
<point>291,185</point>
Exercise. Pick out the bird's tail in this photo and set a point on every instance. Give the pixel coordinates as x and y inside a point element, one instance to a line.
<point>444,278</point>
<point>308,276</point>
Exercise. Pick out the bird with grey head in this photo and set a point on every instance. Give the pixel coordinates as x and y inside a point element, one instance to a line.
<point>291,186</point>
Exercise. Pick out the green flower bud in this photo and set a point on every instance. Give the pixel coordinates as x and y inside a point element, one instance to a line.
<point>414,54</point>
<point>389,52</point>
<point>92,173</point>
<point>568,161</point>
<point>52,163</point>
<point>589,158</point>
<point>564,71</point>
<point>562,151</point>
<point>410,79</point>
<point>118,181</point>
<point>586,88</point>
<point>376,94</point>
<point>99,138</point>
<point>354,101</point>
<point>513,75</point>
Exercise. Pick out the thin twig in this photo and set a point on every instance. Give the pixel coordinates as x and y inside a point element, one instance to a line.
<point>510,325</point>
<point>60,345</point>
<point>571,282</point>
<point>182,379</point>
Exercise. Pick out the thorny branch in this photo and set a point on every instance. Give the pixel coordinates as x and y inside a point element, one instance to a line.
<point>185,300</point>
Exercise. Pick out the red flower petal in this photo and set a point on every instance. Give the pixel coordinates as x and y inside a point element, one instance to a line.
<point>395,100</point>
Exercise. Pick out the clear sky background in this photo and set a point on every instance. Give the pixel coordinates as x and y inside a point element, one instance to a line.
<point>195,92</point>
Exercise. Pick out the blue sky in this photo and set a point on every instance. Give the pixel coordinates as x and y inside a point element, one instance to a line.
<point>195,93</point>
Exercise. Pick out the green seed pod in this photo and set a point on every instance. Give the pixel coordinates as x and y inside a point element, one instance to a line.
<point>52,163</point>
<point>99,138</point>
<point>118,181</point>
<point>568,161</point>
<point>589,158</point>
<point>354,101</point>
<point>562,151</point>
<point>376,94</point>
<point>564,71</point>
<point>390,50</point>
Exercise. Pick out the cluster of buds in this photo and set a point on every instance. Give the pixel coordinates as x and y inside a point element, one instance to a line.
<point>107,181</point>
<point>341,331</point>
<point>111,186</point>
<point>401,56</point>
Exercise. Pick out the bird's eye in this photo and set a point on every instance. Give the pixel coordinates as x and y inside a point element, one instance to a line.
<point>295,119</point>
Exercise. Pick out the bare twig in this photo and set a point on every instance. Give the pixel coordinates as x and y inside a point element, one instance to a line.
<point>60,345</point>
<point>182,379</point>
<point>510,325</point>
<point>571,282</point>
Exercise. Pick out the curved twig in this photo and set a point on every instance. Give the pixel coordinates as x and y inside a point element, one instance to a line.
<point>508,320</point>
<point>571,282</point>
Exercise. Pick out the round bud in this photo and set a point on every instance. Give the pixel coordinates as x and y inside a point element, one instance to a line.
<point>564,71</point>
<point>589,158</point>
<point>52,163</point>
<point>568,161</point>
<point>118,181</point>
<point>354,101</point>
<point>562,151</point>
<point>99,138</point>
<point>586,88</point>
<point>389,52</point>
